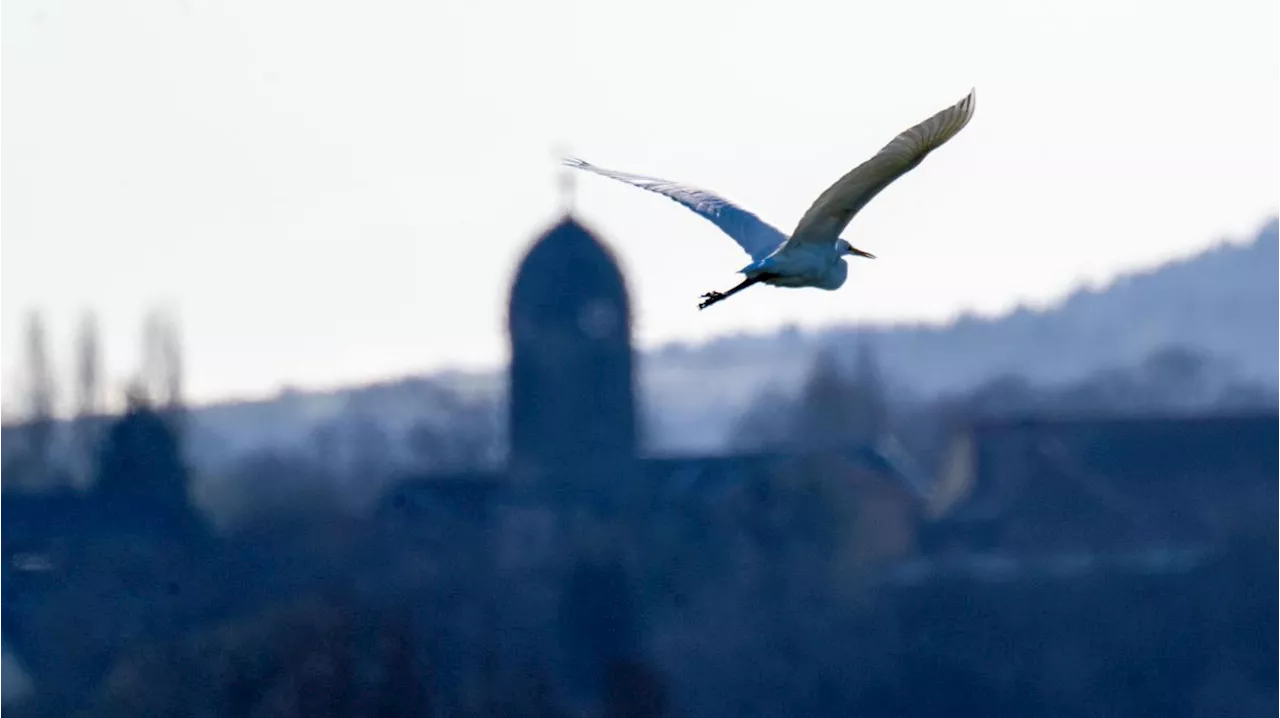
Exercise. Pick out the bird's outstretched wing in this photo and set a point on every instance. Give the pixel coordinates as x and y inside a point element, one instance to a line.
<point>753,234</point>
<point>833,210</point>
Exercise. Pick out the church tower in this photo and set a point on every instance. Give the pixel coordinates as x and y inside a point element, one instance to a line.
<point>571,395</point>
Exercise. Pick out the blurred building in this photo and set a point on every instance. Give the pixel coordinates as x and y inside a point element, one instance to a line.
<point>1106,484</point>
<point>572,403</point>
<point>122,545</point>
<point>577,501</point>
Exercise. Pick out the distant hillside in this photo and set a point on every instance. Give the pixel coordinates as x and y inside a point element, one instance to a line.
<point>1222,303</point>
<point>291,420</point>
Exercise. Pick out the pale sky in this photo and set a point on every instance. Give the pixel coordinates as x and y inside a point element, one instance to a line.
<point>337,192</point>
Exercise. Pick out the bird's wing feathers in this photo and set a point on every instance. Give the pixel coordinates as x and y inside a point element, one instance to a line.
<point>753,234</point>
<point>833,210</point>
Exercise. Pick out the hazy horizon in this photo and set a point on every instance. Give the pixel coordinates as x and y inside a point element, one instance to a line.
<point>309,187</point>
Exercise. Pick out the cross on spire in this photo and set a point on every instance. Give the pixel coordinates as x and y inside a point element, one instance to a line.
<point>567,181</point>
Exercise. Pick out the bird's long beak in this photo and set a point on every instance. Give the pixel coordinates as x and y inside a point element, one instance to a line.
<point>860,253</point>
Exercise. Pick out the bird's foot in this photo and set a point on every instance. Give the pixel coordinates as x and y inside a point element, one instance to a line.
<point>710,298</point>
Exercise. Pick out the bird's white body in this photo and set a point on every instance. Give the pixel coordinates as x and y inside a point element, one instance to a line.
<point>813,256</point>
<point>813,265</point>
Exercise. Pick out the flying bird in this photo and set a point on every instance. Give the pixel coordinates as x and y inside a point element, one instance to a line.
<point>813,256</point>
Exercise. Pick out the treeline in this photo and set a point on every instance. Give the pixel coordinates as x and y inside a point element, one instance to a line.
<point>51,438</point>
<point>352,459</point>
<point>846,406</point>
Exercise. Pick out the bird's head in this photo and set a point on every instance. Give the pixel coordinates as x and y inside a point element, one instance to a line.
<point>848,249</point>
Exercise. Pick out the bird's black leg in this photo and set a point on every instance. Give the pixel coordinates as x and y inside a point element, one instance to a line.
<point>712,297</point>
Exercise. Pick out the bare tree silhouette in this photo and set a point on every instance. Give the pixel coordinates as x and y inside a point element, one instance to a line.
<point>40,394</point>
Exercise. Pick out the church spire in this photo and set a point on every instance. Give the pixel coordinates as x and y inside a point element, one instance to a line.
<point>571,398</point>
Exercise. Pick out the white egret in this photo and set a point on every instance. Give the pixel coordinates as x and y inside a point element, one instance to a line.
<point>813,256</point>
